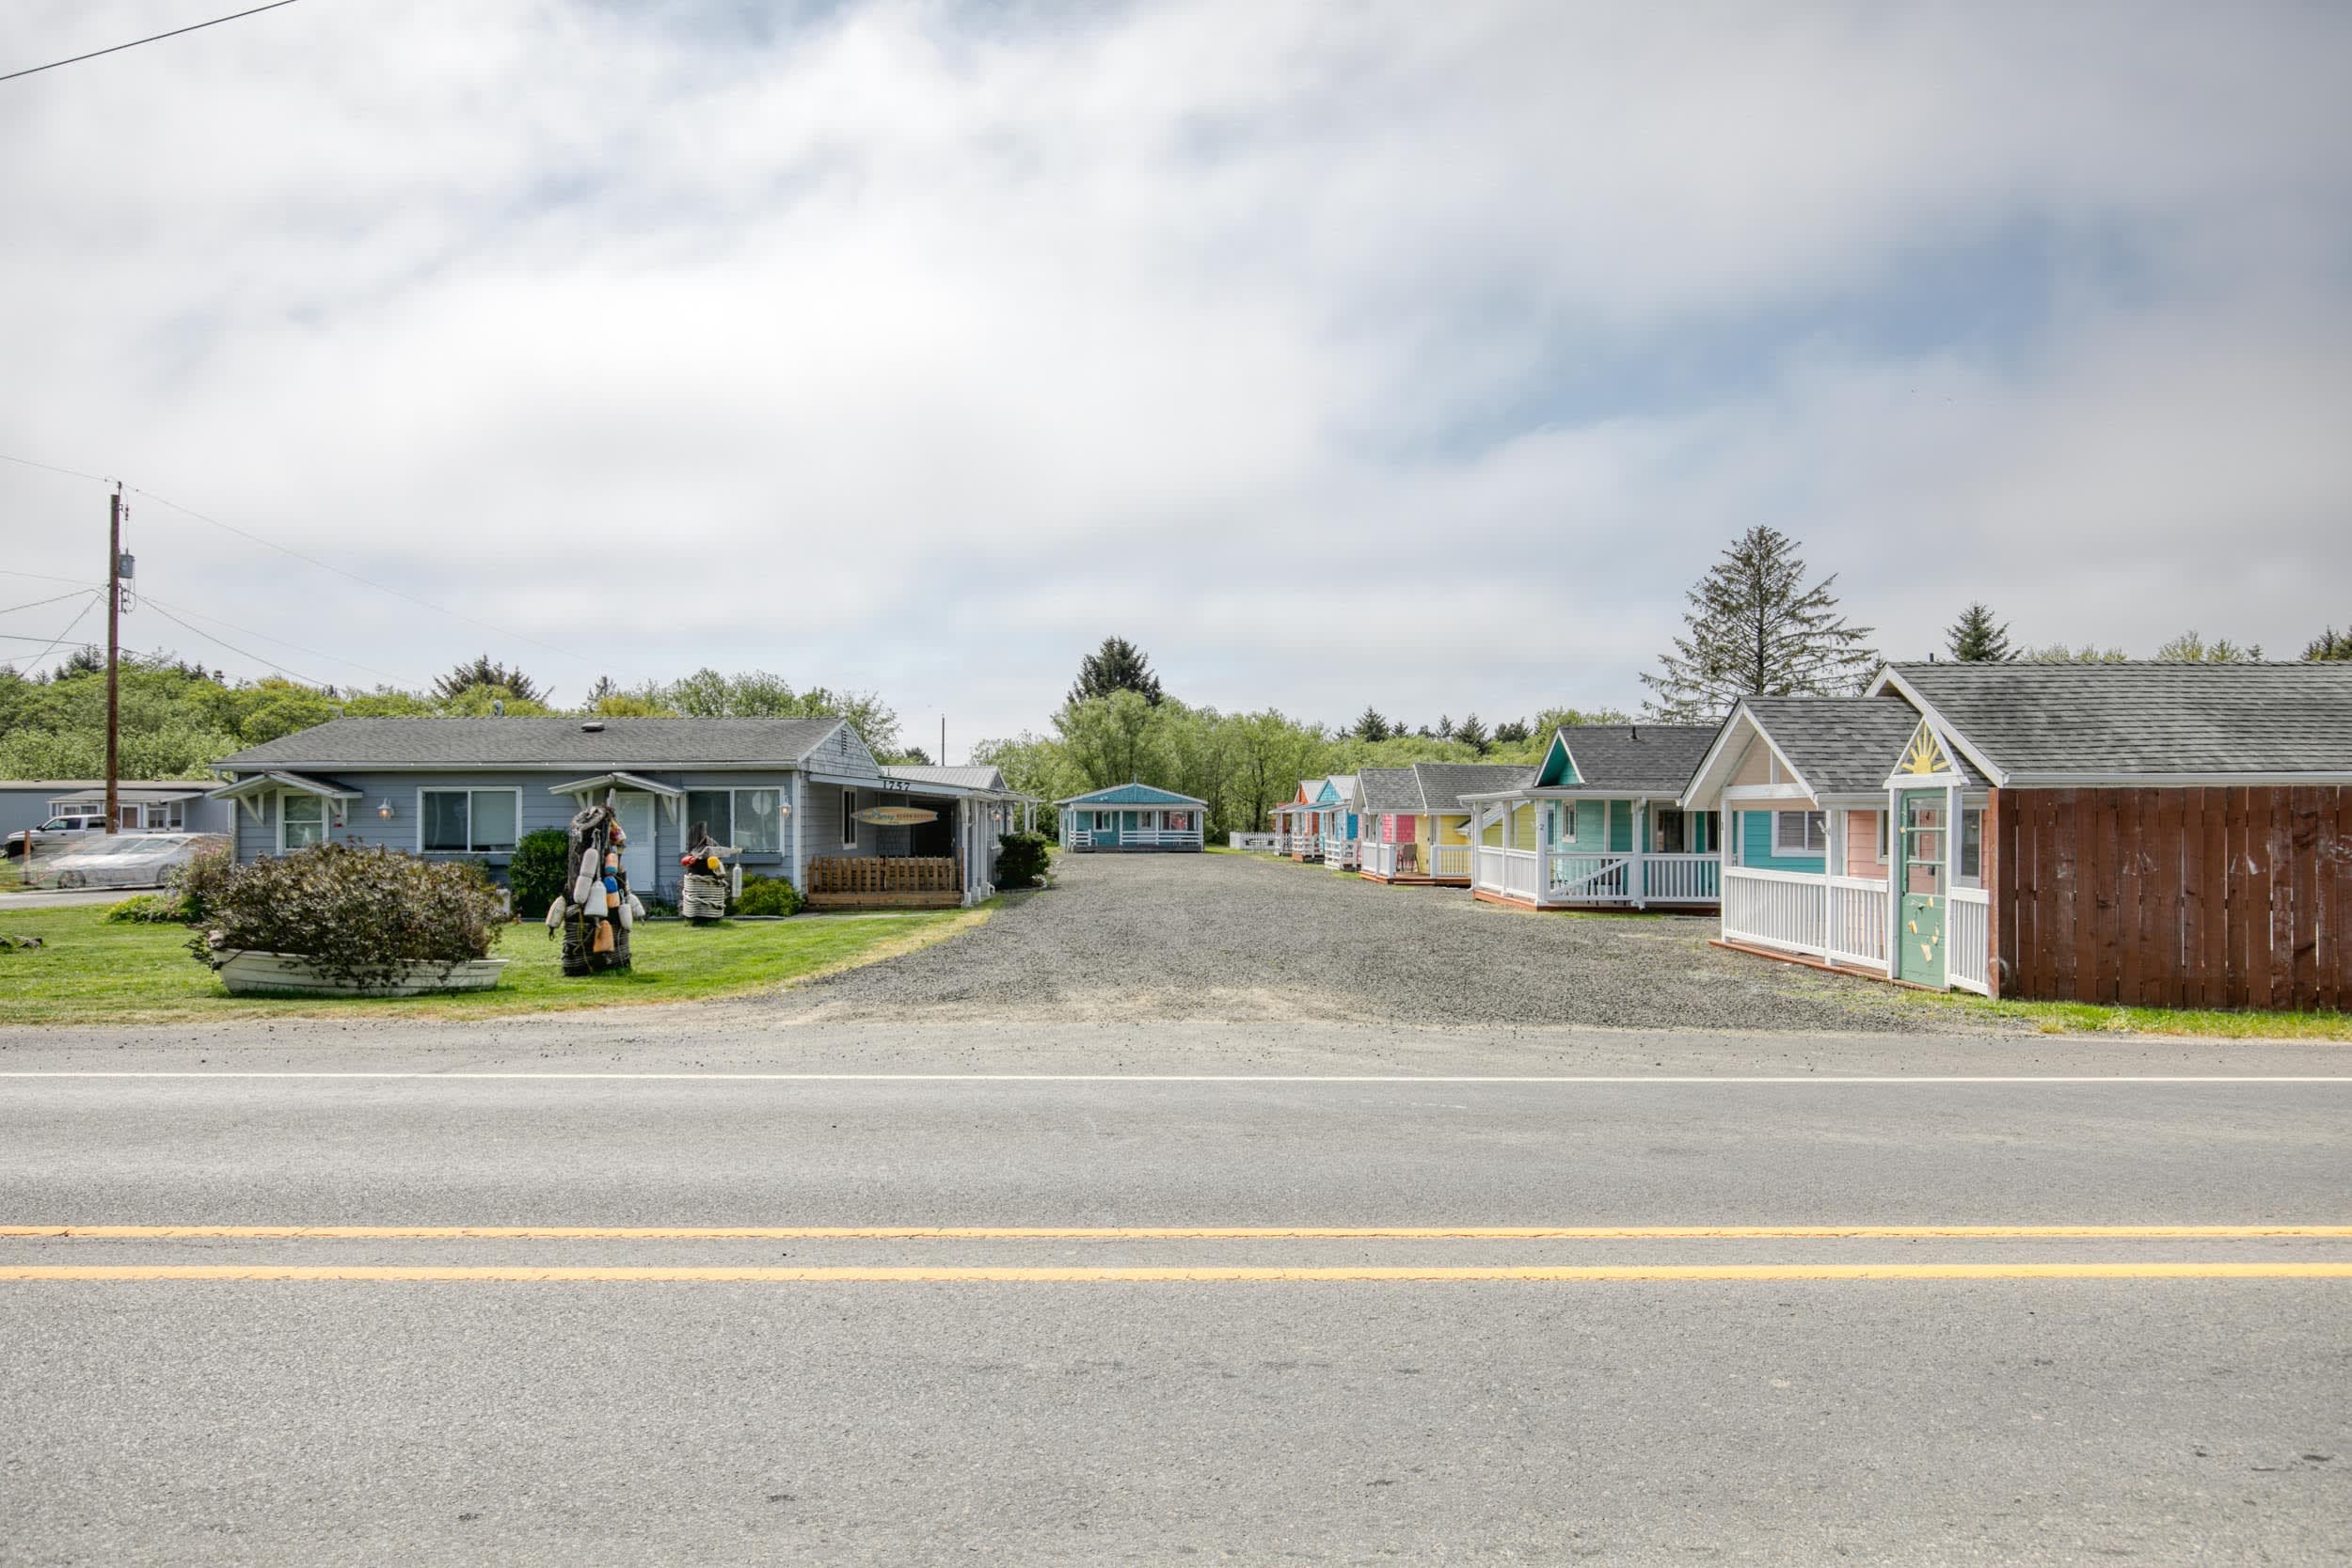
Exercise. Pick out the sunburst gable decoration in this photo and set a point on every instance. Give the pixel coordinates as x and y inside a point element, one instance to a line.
<point>1926,754</point>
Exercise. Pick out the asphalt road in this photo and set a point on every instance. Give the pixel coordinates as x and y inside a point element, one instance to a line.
<point>1128,1389</point>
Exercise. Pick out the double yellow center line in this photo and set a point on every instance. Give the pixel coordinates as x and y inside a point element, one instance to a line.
<point>2275,1269</point>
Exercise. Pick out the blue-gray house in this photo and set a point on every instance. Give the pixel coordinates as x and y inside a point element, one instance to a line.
<point>801,798</point>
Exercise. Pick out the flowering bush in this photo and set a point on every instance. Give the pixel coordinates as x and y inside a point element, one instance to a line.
<point>361,913</point>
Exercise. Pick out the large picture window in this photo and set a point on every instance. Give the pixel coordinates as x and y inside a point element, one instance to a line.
<point>751,819</point>
<point>1799,833</point>
<point>468,821</point>
<point>302,820</point>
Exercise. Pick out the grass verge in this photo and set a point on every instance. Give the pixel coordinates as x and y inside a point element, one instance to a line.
<point>2087,1018</point>
<point>88,972</point>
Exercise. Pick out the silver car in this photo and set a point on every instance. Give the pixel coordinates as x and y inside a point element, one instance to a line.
<point>126,859</point>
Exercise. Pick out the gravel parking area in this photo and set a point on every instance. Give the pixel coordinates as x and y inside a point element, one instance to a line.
<point>1134,938</point>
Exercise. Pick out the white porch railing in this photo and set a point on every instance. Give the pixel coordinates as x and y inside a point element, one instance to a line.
<point>1682,878</point>
<point>1161,838</point>
<point>1512,873</point>
<point>1306,846</point>
<point>1448,861</point>
<point>1856,933</point>
<point>1842,919</point>
<point>1254,840</point>
<point>1775,909</point>
<point>1969,959</point>
<point>1583,877</point>
<point>1343,853</point>
<point>1378,859</point>
<point>1082,838</point>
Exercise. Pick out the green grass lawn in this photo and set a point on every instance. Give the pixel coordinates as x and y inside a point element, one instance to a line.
<point>2090,1018</point>
<point>90,971</point>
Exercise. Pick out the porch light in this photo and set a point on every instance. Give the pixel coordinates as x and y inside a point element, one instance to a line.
<point>384,808</point>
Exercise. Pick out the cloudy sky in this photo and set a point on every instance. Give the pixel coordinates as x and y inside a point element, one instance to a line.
<point>1418,355</point>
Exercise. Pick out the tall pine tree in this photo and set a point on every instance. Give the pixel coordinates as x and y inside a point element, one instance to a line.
<point>1118,665</point>
<point>1371,725</point>
<point>2328,645</point>
<point>1975,639</point>
<point>1755,628</point>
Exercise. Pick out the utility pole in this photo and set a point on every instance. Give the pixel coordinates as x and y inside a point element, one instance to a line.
<point>942,740</point>
<point>114,660</point>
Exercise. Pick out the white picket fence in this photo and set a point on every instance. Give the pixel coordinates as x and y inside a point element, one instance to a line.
<point>1255,842</point>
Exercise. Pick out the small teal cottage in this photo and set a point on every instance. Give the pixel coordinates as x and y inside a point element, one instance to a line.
<point>1131,816</point>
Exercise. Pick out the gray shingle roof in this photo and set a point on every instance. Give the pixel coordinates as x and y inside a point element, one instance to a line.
<point>1839,745</point>
<point>1392,789</point>
<point>1131,795</point>
<point>2126,722</point>
<point>1444,784</point>
<point>536,742</point>
<point>1660,757</point>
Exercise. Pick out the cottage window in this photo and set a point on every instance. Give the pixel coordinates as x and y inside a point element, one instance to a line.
<point>848,820</point>
<point>301,821</point>
<point>1971,847</point>
<point>1799,833</point>
<point>759,821</point>
<point>461,821</point>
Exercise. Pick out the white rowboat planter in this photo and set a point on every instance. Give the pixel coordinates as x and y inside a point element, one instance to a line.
<point>247,973</point>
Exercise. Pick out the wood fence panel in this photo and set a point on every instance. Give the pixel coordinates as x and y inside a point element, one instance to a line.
<point>2231,896</point>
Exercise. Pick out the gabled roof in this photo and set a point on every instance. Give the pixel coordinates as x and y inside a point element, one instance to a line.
<point>1394,790</point>
<point>1657,758</point>
<point>1309,791</point>
<point>641,743</point>
<point>1339,789</point>
<point>2145,723</point>
<point>1132,794</point>
<point>1444,784</point>
<point>1837,745</point>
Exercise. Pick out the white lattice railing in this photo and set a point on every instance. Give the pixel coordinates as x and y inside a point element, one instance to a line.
<point>1969,962</point>
<point>1775,909</point>
<point>1856,929</point>
<point>1449,861</point>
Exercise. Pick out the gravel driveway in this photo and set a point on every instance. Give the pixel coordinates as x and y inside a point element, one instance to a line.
<point>1129,938</point>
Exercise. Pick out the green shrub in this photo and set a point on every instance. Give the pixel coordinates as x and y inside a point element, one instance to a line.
<point>359,912</point>
<point>199,880</point>
<point>1020,859</point>
<point>540,870</point>
<point>149,909</point>
<point>769,895</point>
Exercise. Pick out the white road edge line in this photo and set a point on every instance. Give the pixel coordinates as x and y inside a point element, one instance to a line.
<point>1406,1079</point>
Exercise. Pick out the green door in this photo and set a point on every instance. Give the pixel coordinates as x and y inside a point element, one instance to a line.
<point>1919,933</point>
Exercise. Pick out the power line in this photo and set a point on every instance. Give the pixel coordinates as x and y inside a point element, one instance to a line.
<point>51,466</point>
<point>365,582</point>
<point>266,663</point>
<point>157,37</point>
<point>46,577</point>
<point>154,603</point>
<point>38,603</point>
<point>95,594</point>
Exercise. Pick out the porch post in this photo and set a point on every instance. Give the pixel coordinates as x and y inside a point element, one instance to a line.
<point>1832,859</point>
<point>800,862</point>
<point>1639,870</point>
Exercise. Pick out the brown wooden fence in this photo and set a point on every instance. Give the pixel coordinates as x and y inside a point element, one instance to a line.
<point>2235,898</point>
<point>886,881</point>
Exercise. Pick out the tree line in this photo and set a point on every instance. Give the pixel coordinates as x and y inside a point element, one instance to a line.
<point>179,717</point>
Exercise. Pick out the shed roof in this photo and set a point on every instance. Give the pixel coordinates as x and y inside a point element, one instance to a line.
<point>2093,723</point>
<point>538,743</point>
<point>1132,794</point>
<point>985,780</point>
<point>1444,784</point>
<point>1646,758</point>
<point>1392,789</point>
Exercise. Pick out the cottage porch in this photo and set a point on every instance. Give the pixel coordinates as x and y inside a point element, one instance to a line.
<point>1540,850</point>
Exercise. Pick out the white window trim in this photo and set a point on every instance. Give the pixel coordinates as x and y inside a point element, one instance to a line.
<point>849,818</point>
<point>1781,846</point>
<point>326,815</point>
<point>469,791</point>
<point>735,815</point>
<point>1962,877</point>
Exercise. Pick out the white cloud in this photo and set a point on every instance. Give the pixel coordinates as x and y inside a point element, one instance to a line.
<point>1406,353</point>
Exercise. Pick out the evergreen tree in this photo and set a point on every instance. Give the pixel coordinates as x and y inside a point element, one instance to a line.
<point>2328,646</point>
<point>2190,648</point>
<point>1755,628</point>
<point>1471,732</point>
<point>1512,732</point>
<point>482,671</point>
<point>1118,665</point>
<point>1370,725</point>
<point>1444,730</point>
<point>1975,639</point>
<point>2089,653</point>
